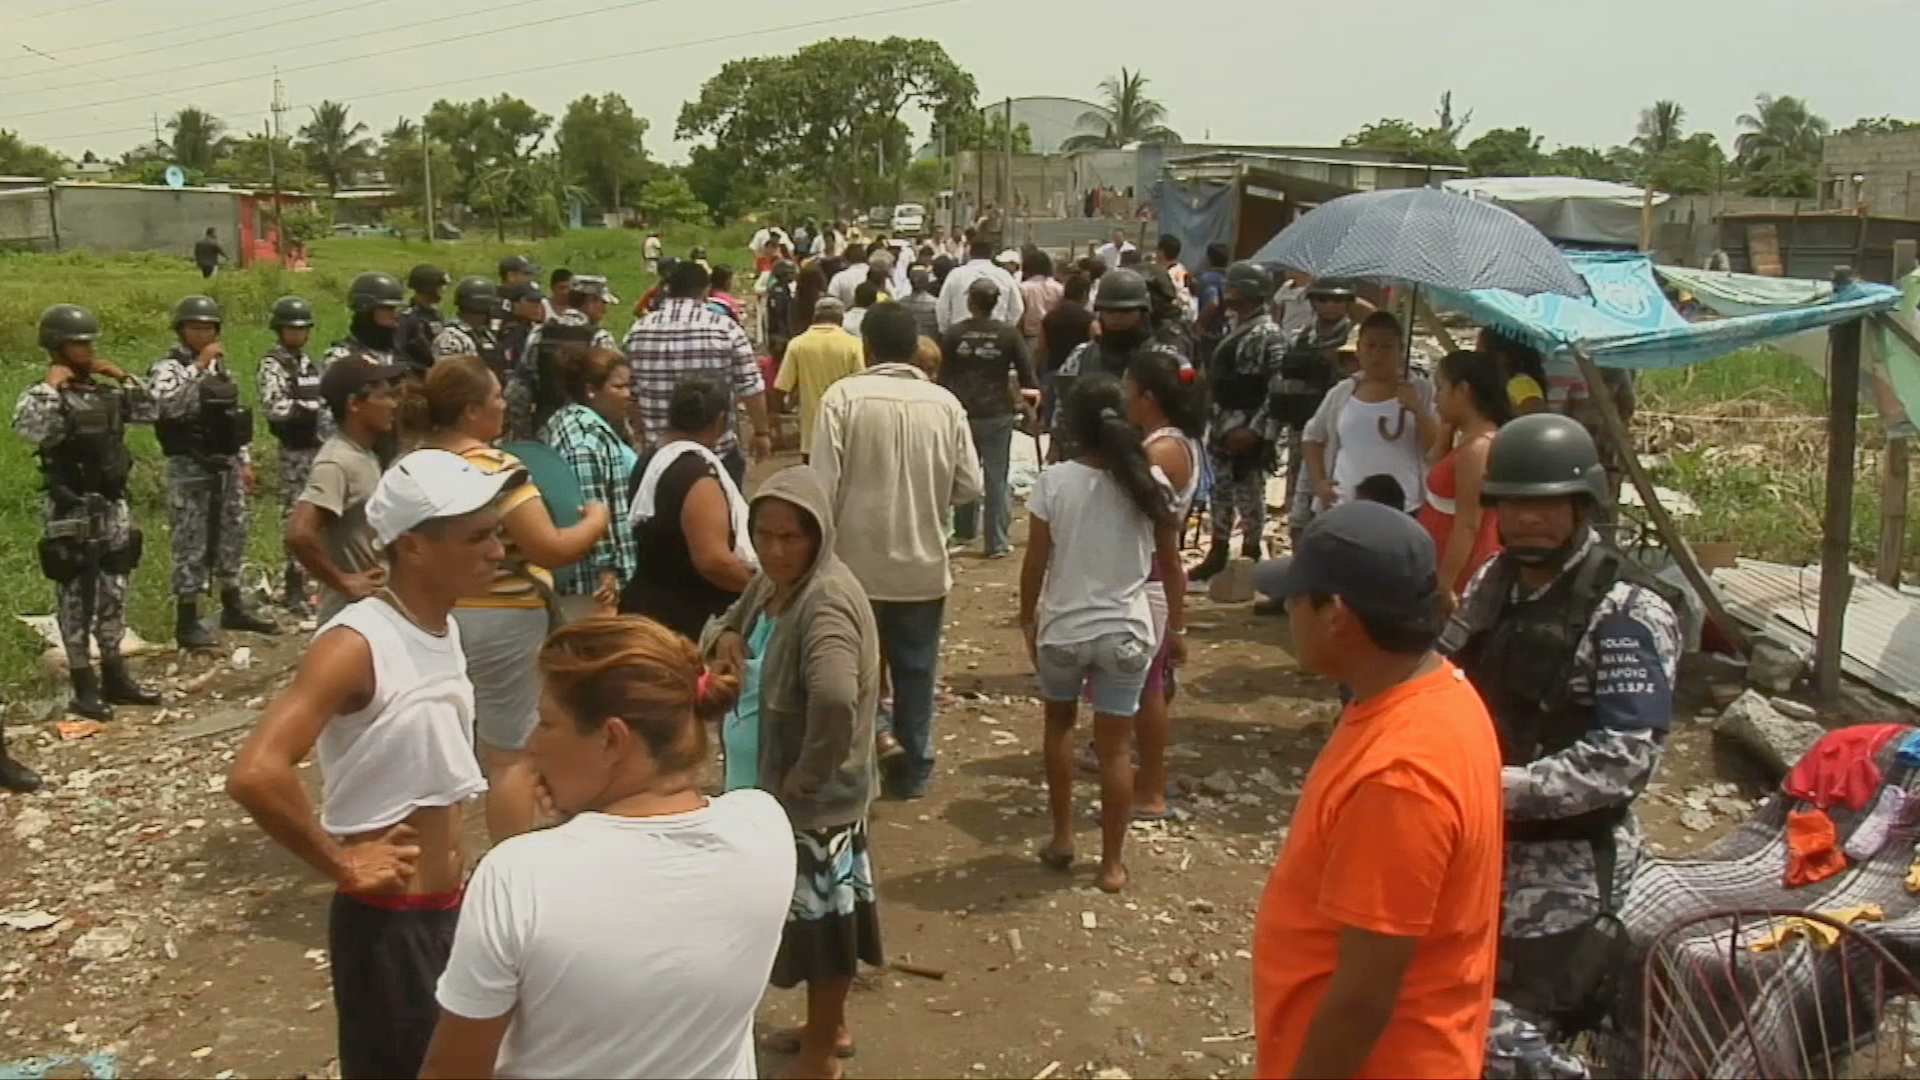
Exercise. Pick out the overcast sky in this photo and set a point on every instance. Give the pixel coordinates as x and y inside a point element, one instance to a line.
<point>1278,71</point>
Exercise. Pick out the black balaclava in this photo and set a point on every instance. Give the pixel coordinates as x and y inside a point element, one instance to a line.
<point>370,333</point>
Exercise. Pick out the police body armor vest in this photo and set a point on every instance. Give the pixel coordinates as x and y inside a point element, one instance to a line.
<point>1235,387</point>
<point>92,458</point>
<point>301,431</point>
<point>1307,372</point>
<point>414,337</point>
<point>220,426</point>
<point>487,345</point>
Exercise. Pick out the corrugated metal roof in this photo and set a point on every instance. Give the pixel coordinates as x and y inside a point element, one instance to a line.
<point>1880,644</point>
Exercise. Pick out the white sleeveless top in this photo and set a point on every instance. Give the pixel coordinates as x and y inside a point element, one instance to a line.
<point>1183,499</point>
<point>412,746</point>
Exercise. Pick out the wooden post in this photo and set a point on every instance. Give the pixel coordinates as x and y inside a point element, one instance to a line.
<point>1432,320</point>
<point>1895,471</point>
<point>1836,570</point>
<point>1618,433</point>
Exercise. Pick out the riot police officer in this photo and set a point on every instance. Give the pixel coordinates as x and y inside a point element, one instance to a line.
<point>471,331</point>
<point>1573,647</point>
<point>1243,438</point>
<point>296,414</point>
<point>421,322</point>
<point>204,430</point>
<point>77,424</point>
<point>374,300</point>
<point>1123,304</point>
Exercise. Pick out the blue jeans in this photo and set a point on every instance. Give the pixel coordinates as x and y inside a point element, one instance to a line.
<point>993,438</point>
<point>910,649</point>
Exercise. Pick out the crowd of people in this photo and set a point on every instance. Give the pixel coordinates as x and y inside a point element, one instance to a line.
<point>543,584</point>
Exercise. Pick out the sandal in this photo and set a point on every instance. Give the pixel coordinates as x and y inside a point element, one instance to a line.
<point>787,1041</point>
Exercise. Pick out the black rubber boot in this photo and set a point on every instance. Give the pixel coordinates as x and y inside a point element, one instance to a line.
<point>1214,563</point>
<point>188,632</point>
<point>86,696</point>
<point>294,593</point>
<point>235,615</point>
<point>117,685</point>
<point>14,776</point>
<point>1250,548</point>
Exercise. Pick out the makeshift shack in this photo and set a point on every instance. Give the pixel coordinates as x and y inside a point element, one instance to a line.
<point>1569,210</point>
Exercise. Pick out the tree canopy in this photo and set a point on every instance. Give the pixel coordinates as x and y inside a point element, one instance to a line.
<point>1778,149</point>
<point>336,147</point>
<point>21,158</point>
<point>492,143</point>
<point>199,138</point>
<point>1506,152</point>
<point>1126,115</point>
<point>599,140</point>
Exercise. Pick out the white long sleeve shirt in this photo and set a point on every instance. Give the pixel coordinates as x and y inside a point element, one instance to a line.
<point>953,294</point>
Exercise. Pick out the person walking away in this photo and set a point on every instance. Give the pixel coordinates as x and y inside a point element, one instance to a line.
<point>1470,398</point>
<point>979,265</point>
<point>1374,942</point>
<point>204,429</point>
<point>816,360</point>
<point>421,322</point>
<point>1065,328</point>
<point>721,298</point>
<point>381,700</point>
<point>811,286</point>
<point>819,687</point>
<point>777,322</point>
<point>979,355</point>
<point>373,334</point>
<point>1169,403</point>
<point>650,250</point>
<point>1166,256</point>
<point>298,418</point>
<point>208,254</point>
<point>895,452</point>
<point>685,338</point>
<point>692,554</point>
<point>1245,438</point>
<point>459,408</point>
<point>860,265</point>
<point>471,331</point>
<point>865,295</point>
<point>535,985</point>
<point>328,533</point>
<point>76,418</point>
<point>1110,252</point>
<point>586,433</point>
<point>1574,649</point>
<point>1039,292</point>
<point>1379,421</point>
<point>921,301</point>
<point>1097,523</point>
<point>1210,322</point>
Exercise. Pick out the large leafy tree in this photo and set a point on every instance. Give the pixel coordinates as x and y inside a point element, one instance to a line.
<point>1693,166</point>
<point>1505,152</point>
<point>1590,162</point>
<point>21,158</point>
<point>247,162</point>
<point>199,138</point>
<point>336,146</point>
<point>668,199</point>
<point>1408,142</point>
<point>1660,128</point>
<point>828,113</point>
<point>405,169</point>
<point>493,143</point>
<point>1778,149</point>
<point>599,140</point>
<point>1126,115</point>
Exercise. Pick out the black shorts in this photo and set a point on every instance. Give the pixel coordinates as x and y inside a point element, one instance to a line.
<point>386,964</point>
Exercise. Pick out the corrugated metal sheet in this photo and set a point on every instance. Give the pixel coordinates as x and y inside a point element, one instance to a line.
<point>1881,642</point>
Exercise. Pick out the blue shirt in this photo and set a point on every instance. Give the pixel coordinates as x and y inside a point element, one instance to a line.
<point>740,732</point>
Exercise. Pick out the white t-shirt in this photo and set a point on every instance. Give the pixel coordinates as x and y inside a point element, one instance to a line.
<point>1102,552</point>
<point>630,947</point>
<point>1365,452</point>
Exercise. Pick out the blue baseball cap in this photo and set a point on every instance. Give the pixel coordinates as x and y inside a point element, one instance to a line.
<point>1376,559</point>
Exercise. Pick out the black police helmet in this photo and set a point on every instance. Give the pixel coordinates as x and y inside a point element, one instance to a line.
<point>202,309</point>
<point>1541,456</point>
<point>426,278</point>
<point>290,311</point>
<point>374,289</point>
<point>475,294</point>
<point>1122,289</point>
<point>62,323</point>
<point>1251,280</point>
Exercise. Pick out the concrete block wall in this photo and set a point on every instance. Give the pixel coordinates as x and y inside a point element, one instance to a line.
<point>1889,163</point>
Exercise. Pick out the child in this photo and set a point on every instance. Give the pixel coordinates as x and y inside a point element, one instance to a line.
<point>1379,421</point>
<point>1098,521</point>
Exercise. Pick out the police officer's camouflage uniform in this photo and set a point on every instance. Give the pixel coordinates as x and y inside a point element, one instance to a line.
<point>346,347</point>
<point>523,389</point>
<point>462,339</point>
<point>277,399</point>
<point>1552,886</point>
<point>1252,350</point>
<point>40,419</point>
<point>192,482</point>
<point>1091,356</point>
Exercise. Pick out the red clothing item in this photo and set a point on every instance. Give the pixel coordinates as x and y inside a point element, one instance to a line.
<point>1813,851</point>
<point>1437,513</point>
<point>1840,767</point>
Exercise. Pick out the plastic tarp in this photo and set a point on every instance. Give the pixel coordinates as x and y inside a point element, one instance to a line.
<point>1199,214</point>
<point>1568,209</point>
<point>1626,322</point>
<point>1744,294</point>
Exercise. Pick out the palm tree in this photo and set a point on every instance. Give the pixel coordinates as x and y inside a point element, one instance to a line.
<point>1780,131</point>
<point>199,138</point>
<point>1129,116</point>
<point>1660,128</point>
<point>336,148</point>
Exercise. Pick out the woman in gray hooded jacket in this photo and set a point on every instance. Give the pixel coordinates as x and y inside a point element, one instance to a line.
<point>803,640</point>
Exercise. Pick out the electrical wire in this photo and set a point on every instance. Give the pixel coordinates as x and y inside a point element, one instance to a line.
<point>63,9</point>
<point>187,29</point>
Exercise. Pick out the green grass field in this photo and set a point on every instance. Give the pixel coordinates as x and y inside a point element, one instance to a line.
<point>134,295</point>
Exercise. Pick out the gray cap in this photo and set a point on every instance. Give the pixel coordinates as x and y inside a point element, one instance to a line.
<point>1376,559</point>
<point>829,307</point>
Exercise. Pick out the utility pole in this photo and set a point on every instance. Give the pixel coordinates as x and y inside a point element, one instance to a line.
<point>273,190</point>
<point>279,106</point>
<point>1006,195</point>
<point>426,173</point>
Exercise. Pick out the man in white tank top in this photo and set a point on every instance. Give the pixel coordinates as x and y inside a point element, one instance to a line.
<point>382,699</point>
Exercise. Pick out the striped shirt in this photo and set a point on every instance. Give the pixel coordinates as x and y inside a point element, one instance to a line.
<point>685,338</point>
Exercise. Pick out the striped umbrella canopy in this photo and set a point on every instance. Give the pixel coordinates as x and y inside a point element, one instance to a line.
<point>1422,237</point>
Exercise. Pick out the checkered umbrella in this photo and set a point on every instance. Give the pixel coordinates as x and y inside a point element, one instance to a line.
<point>1422,237</point>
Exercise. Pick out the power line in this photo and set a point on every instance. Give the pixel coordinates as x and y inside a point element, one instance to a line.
<point>187,29</point>
<point>63,9</point>
<point>628,54</point>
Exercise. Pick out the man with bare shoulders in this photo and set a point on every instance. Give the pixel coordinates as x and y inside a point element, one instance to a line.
<point>382,701</point>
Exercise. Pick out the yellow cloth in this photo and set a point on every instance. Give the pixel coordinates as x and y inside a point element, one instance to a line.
<point>1913,876</point>
<point>509,589</point>
<point>1522,389</point>
<point>815,360</point>
<point>1819,934</point>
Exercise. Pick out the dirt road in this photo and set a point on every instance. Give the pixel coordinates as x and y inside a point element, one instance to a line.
<point>145,922</point>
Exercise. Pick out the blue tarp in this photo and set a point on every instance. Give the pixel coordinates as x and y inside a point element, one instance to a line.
<point>1626,322</point>
<point>1199,214</point>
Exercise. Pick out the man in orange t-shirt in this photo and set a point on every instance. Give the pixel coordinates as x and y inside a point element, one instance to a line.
<point>1373,951</point>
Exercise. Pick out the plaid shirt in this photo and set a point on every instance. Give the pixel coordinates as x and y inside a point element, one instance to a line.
<point>603,465</point>
<point>684,338</point>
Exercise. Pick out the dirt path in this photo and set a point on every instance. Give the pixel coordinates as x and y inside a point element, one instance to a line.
<point>182,944</point>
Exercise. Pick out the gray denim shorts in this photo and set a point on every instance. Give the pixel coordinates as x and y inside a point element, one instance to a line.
<point>1114,666</point>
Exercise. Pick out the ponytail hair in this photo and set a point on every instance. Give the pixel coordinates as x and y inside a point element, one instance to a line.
<point>643,674</point>
<point>1484,379</point>
<point>1096,415</point>
<point>1180,390</point>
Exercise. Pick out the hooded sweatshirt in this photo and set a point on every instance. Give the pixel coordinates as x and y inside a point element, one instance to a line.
<point>819,674</point>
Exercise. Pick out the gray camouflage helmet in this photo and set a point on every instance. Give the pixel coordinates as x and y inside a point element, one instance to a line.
<point>474,294</point>
<point>62,323</point>
<point>374,289</point>
<point>1250,280</point>
<point>202,309</point>
<point>1543,455</point>
<point>290,311</point>
<point>1122,290</point>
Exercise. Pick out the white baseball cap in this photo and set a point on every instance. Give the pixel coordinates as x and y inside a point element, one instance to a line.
<point>430,484</point>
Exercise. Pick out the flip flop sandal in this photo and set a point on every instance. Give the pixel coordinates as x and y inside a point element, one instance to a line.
<point>787,1041</point>
<point>1169,813</point>
<point>1056,860</point>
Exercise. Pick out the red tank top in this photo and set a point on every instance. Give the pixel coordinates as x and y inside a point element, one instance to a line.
<point>1437,513</point>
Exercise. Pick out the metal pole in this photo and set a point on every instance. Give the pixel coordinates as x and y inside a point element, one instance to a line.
<point>426,173</point>
<point>1006,197</point>
<point>1836,569</point>
<point>1895,467</point>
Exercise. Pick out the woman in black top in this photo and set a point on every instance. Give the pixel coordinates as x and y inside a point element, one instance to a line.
<point>687,569</point>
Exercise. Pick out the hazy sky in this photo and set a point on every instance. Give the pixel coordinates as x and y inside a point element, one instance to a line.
<point>1279,71</point>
